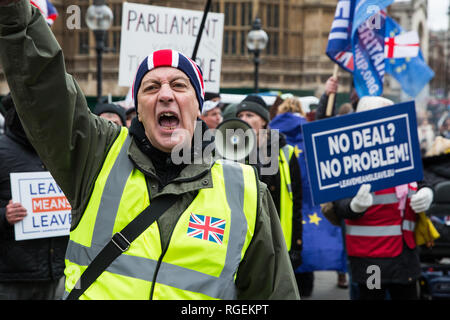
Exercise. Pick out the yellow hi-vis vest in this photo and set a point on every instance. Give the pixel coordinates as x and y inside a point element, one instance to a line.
<point>286,202</point>
<point>207,243</point>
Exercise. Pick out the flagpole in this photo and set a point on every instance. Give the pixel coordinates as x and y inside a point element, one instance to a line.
<point>202,25</point>
<point>332,95</point>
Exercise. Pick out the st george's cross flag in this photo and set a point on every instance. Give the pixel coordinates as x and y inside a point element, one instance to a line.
<point>412,73</point>
<point>206,228</point>
<point>405,45</point>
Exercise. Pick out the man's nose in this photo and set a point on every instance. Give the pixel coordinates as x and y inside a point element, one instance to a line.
<point>166,93</point>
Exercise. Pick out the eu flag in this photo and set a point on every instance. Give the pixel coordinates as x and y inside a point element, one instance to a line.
<point>323,247</point>
<point>412,73</point>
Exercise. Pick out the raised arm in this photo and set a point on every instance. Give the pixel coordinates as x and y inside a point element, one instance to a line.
<point>68,138</point>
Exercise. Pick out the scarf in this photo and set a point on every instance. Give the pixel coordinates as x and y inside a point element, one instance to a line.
<point>401,192</point>
<point>165,169</point>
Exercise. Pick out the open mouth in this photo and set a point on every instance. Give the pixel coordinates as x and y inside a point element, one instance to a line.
<point>168,120</point>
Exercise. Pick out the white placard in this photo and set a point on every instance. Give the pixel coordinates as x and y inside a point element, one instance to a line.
<point>147,28</point>
<point>48,211</point>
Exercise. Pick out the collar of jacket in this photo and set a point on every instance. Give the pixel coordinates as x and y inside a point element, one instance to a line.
<point>191,178</point>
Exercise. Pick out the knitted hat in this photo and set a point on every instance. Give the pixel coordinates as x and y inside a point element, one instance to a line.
<point>111,108</point>
<point>230,111</point>
<point>254,104</point>
<point>372,102</point>
<point>175,59</point>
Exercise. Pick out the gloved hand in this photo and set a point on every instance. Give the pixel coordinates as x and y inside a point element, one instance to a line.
<point>421,201</point>
<point>362,200</point>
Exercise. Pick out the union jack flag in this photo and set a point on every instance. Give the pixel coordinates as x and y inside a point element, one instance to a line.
<point>206,228</point>
<point>47,9</point>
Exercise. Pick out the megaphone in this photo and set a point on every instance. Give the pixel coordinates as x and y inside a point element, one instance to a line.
<point>234,139</point>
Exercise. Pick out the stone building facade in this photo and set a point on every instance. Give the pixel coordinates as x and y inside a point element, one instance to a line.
<point>294,59</point>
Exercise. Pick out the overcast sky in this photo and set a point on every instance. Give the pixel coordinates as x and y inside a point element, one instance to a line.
<point>437,13</point>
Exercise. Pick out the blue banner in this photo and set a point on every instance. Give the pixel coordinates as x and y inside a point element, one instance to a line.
<point>365,11</point>
<point>378,146</point>
<point>356,43</point>
<point>323,247</point>
<point>368,54</point>
<point>339,48</point>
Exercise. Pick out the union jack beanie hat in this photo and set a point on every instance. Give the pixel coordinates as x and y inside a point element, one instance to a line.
<point>175,59</point>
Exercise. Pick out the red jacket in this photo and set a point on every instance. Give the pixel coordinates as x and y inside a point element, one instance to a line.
<point>380,231</point>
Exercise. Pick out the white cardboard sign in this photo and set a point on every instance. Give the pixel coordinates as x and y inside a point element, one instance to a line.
<point>147,28</point>
<point>48,211</point>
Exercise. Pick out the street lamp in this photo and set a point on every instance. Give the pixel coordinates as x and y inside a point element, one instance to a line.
<point>99,18</point>
<point>256,42</point>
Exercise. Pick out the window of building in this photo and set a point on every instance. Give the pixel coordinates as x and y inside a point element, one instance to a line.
<point>237,24</point>
<point>243,46</point>
<point>117,12</point>
<point>225,41</point>
<point>84,32</point>
<point>83,42</point>
<point>271,24</point>
<point>233,42</point>
<point>116,42</point>
<point>227,14</point>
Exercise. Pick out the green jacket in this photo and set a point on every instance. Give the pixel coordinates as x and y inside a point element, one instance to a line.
<point>73,143</point>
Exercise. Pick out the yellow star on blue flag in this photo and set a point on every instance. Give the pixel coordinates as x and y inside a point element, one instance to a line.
<point>314,218</point>
<point>297,151</point>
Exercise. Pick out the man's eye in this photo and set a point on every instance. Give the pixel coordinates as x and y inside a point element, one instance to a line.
<point>179,85</point>
<point>150,88</point>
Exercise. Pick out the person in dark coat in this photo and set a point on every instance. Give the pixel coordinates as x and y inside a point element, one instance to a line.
<point>436,170</point>
<point>436,161</point>
<point>255,112</point>
<point>29,269</point>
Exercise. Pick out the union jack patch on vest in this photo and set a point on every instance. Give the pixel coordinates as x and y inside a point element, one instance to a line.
<point>206,228</point>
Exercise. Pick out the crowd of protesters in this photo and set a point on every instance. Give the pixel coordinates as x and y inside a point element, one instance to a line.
<point>255,112</point>
<point>34,269</point>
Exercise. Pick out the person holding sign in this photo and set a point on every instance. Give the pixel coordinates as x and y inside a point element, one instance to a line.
<point>380,233</point>
<point>146,228</point>
<point>29,269</point>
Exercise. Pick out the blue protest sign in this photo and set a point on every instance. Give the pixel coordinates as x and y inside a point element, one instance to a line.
<point>378,146</point>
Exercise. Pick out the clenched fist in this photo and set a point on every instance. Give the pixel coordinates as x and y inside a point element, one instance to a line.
<point>331,86</point>
<point>15,212</point>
